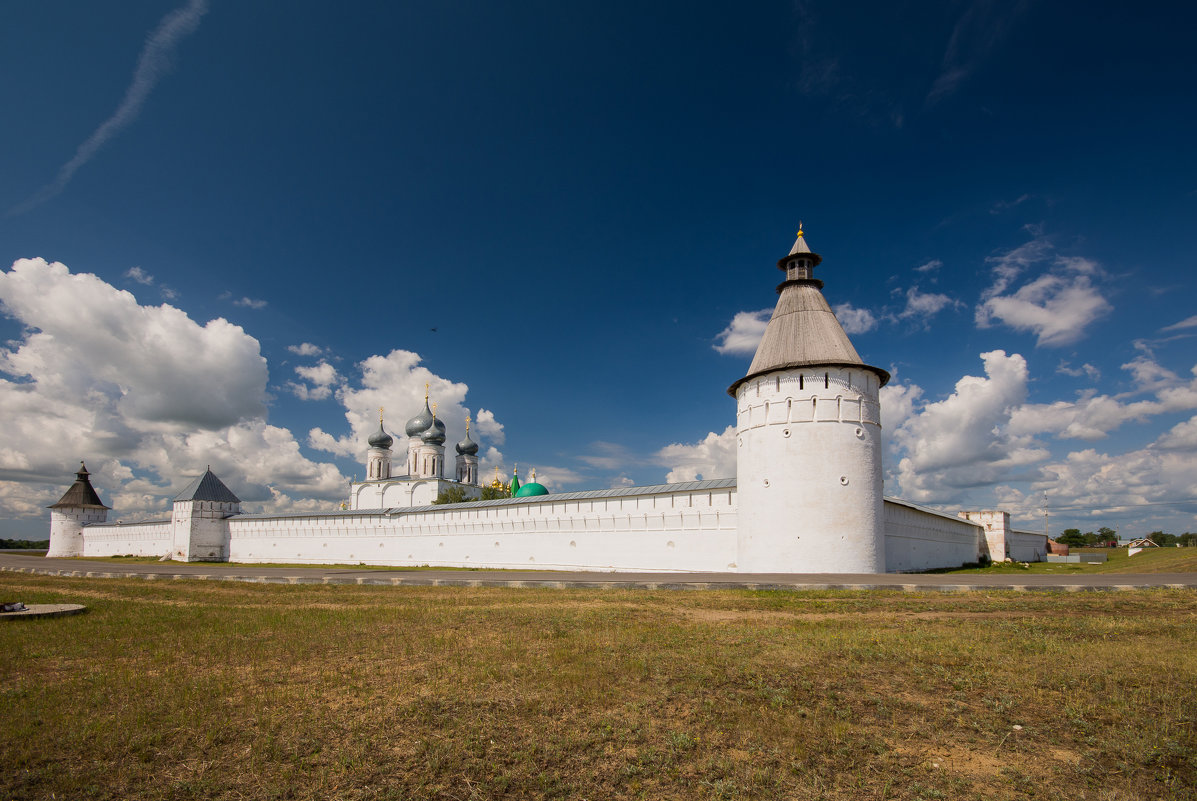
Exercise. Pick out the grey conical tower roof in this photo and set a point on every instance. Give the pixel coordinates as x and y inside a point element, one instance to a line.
<point>803,331</point>
<point>207,488</point>
<point>81,493</point>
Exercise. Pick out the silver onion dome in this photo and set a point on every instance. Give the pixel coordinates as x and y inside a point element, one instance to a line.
<point>420,423</point>
<point>381,439</point>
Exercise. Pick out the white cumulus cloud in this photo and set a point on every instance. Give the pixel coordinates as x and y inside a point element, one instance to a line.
<point>306,349</point>
<point>144,393</point>
<point>320,379</point>
<point>743,333</point>
<point>396,383</point>
<point>854,320</point>
<point>965,440</point>
<point>1057,306</point>
<point>922,306</point>
<point>712,457</point>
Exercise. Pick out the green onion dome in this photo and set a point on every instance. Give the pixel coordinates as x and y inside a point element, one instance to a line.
<point>531,489</point>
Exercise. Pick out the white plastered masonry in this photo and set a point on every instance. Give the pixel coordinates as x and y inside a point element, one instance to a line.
<point>806,498</point>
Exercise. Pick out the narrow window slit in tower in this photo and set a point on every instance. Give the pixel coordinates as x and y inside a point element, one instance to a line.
<point>826,380</point>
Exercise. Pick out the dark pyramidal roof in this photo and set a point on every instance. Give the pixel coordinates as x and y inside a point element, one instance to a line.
<point>207,488</point>
<point>81,492</point>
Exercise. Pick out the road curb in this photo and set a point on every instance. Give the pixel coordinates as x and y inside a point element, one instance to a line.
<point>591,583</point>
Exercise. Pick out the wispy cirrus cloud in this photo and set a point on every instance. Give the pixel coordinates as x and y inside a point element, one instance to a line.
<point>155,62</point>
<point>1188,322</point>
<point>140,276</point>
<point>977,32</point>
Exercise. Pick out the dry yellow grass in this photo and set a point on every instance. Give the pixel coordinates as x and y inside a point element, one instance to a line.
<point>213,690</point>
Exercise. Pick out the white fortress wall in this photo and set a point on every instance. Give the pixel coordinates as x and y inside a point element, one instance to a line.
<point>151,538</point>
<point>679,527</point>
<point>1027,546</point>
<point>920,539</point>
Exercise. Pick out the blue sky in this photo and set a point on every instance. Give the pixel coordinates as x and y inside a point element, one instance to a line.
<point>230,231</point>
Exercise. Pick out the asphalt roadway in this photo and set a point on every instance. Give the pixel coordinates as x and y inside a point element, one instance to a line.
<point>398,577</point>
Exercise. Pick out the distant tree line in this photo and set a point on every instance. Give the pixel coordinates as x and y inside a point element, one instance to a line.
<point>1186,540</point>
<point>27,545</point>
<point>1104,538</point>
<point>1108,538</point>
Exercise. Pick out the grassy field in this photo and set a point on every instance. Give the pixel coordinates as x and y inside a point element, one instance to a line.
<point>1149,560</point>
<point>181,690</point>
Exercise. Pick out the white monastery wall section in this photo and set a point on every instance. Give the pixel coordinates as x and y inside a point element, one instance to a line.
<point>920,539</point>
<point>691,530</point>
<point>66,529</point>
<point>132,539</point>
<point>1026,546</point>
<point>809,472</point>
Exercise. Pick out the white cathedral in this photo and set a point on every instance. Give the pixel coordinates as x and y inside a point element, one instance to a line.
<point>806,498</point>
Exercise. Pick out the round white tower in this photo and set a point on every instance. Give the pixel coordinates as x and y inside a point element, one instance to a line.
<point>808,425</point>
<point>79,506</point>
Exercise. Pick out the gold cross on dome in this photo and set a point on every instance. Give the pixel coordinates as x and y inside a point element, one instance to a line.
<point>380,415</point>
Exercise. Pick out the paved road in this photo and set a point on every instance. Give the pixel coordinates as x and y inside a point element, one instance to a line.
<point>24,563</point>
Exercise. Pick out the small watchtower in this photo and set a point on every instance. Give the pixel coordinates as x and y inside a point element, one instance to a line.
<point>199,527</point>
<point>78,507</point>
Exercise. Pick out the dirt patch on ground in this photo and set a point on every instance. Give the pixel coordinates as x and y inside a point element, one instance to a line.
<point>773,616</point>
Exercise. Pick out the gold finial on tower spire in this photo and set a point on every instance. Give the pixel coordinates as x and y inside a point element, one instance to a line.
<point>467,424</point>
<point>380,415</point>
<point>434,405</point>
<point>800,228</point>
<point>426,392</point>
